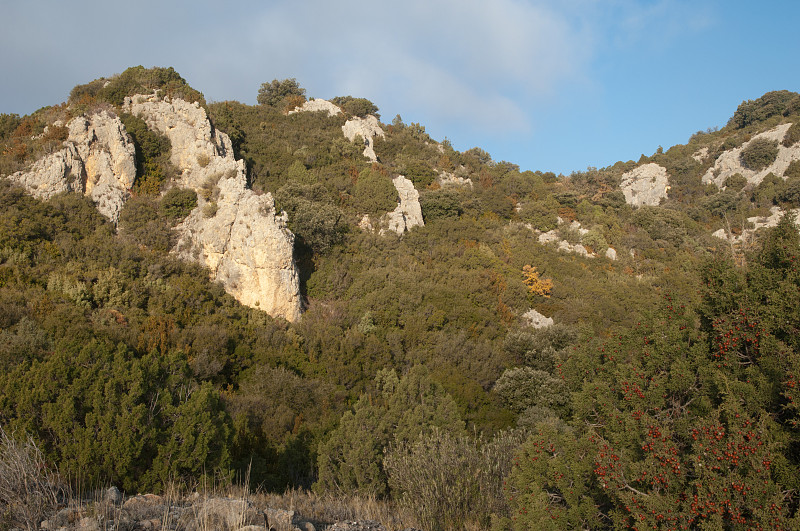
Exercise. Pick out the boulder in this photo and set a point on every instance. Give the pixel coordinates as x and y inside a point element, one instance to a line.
<point>318,105</point>
<point>647,184</point>
<point>446,179</point>
<point>536,320</point>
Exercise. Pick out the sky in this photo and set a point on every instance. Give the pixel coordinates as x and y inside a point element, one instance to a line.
<point>550,85</point>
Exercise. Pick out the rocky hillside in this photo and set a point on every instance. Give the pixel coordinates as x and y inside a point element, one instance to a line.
<point>302,294</point>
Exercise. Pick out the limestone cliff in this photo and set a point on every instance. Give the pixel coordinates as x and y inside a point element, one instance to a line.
<point>97,160</point>
<point>235,232</point>
<point>730,163</point>
<point>408,213</point>
<point>647,184</point>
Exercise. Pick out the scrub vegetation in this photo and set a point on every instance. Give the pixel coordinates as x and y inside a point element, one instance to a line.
<point>664,396</point>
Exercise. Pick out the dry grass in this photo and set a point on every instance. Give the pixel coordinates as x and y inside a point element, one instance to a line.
<point>30,493</point>
<point>29,490</point>
<point>325,509</point>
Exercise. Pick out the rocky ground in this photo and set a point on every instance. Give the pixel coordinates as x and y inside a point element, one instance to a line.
<point>111,510</point>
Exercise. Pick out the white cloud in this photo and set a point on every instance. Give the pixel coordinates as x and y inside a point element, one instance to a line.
<point>471,62</point>
<point>466,60</point>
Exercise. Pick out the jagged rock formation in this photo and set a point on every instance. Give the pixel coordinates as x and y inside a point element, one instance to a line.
<point>647,184</point>
<point>235,232</point>
<point>368,128</point>
<point>757,222</point>
<point>408,213</point>
<point>729,163</point>
<point>450,179</point>
<point>318,105</point>
<point>97,160</point>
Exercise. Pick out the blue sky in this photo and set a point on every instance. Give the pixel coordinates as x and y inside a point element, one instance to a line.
<point>552,85</point>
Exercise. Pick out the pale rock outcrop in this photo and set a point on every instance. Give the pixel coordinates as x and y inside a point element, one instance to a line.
<point>233,231</point>
<point>647,184</point>
<point>408,213</point>
<point>366,224</point>
<point>536,320</point>
<point>58,172</point>
<point>368,128</point>
<point>758,222</point>
<point>318,105</point>
<point>98,160</point>
<point>450,179</point>
<point>701,154</point>
<point>194,141</point>
<point>729,163</point>
<point>552,237</point>
<point>611,254</point>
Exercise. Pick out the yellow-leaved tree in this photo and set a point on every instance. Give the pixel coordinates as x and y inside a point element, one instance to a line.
<point>536,284</point>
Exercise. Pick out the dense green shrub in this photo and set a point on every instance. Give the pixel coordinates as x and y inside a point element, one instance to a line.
<point>793,170</point>
<point>541,214</point>
<point>721,203</point>
<point>153,167</point>
<point>440,204</point>
<point>792,135</point>
<point>374,194</point>
<point>419,172</point>
<point>753,111</point>
<point>312,216</point>
<point>735,182</point>
<point>356,106</point>
<point>351,461</point>
<point>759,154</point>
<point>140,222</point>
<point>136,80</point>
<point>789,192</point>
<point>766,192</point>
<point>177,203</point>
<point>275,92</point>
<point>663,224</point>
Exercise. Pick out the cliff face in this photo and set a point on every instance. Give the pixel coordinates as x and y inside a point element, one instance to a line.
<point>730,163</point>
<point>647,184</point>
<point>97,160</point>
<point>233,231</point>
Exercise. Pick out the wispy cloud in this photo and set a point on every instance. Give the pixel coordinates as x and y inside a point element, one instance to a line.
<point>466,60</point>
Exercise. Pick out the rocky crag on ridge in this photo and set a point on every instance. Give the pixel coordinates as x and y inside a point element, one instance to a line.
<point>233,231</point>
<point>97,160</point>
